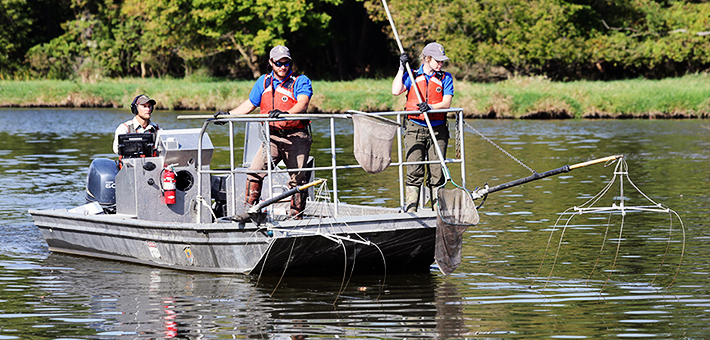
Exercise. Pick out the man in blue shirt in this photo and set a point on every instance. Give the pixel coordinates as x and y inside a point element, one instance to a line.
<point>278,93</point>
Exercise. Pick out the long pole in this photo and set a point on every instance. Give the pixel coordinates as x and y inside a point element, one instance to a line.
<point>535,176</point>
<point>401,50</point>
<point>283,195</point>
<point>419,95</point>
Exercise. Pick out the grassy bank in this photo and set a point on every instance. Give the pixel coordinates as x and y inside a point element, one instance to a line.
<point>523,97</point>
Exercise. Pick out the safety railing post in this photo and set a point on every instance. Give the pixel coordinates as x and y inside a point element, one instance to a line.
<point>333,162</point>
<point>462,148</point>
<point>400,167</point>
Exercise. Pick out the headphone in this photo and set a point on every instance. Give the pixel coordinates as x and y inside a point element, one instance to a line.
<point>134,106</point>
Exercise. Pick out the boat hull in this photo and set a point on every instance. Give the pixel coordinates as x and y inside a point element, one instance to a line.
<point>389,242</point>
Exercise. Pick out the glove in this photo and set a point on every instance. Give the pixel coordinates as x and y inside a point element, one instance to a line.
<point>276,113</point>
<point>220,113</point>
<point>424,107</point>
<point>403,59</point>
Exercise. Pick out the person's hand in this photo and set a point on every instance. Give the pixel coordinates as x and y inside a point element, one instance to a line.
<point>403,60</point>
<point>220,113</point>
<point>424,107</point>
<point>276,113</point>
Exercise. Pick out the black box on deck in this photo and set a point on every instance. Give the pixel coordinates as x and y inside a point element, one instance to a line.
<point>133,145</point>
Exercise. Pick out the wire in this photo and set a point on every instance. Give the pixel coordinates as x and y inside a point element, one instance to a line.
<point>499,148</point>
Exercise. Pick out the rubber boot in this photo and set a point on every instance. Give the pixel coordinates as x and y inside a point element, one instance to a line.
<point>434,198</point>
<point>253,192</point>
<point>298,205</point>
<point>411,201</point>
<point>251,197</point>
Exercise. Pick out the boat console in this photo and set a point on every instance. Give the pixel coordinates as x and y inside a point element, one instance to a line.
<point>139,183</point>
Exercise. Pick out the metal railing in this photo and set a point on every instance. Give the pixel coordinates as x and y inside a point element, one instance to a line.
<point>334,167</point>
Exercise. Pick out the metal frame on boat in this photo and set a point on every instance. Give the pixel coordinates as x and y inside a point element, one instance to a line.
<point>332,237</point>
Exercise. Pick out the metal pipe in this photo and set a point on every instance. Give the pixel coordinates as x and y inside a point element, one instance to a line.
<point>535,176</point>
<point>400,166</point>
<point>462,149</point>
<point>263,117</point>
<point>401,50</point>
<point>333,163</point>
<point>270,201</point>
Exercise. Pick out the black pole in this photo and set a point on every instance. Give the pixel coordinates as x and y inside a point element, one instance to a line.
<point>535,176</point>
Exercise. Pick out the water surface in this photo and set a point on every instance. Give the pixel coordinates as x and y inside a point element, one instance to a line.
<point>500,290</point>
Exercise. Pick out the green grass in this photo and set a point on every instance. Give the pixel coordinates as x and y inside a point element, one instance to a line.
<point>526,97</point>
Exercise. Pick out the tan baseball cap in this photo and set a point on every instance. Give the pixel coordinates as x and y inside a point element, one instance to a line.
<point>436,51</point>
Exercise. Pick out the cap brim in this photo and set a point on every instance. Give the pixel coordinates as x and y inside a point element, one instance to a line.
<point>442,58</point>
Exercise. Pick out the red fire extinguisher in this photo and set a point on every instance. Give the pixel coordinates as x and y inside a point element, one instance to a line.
<point>169,185</point>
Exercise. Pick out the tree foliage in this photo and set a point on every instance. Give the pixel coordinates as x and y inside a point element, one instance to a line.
<point>343,39</point>
<point>26,23</point>
<point>160,38</point>
<point>563,39</point>
<point>252,27</point>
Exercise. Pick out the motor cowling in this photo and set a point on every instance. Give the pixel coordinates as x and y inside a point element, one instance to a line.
<point>101,184</point>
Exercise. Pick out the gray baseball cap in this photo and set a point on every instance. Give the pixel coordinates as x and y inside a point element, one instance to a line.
<point>436,51</point>
<point>279,52</point>
<point>142,99</point>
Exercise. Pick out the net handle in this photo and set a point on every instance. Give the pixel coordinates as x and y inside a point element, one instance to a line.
<point>535,176</point>
<point>401,50</point>
<point>444,169</point>
<point>595,161</point>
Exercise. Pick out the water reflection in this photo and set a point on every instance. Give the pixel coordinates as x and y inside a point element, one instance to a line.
<point>450,319</point>
<point>72,296</point>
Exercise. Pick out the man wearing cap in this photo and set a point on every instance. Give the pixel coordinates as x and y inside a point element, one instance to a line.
<point>436,89</point>
<point>279,93</point>
<point>141,107</point>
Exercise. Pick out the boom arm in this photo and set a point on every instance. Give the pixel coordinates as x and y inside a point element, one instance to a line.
<point>535,176</point>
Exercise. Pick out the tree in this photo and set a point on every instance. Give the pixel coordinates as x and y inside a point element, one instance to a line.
<point>24,24</point>
<point>252,27</point>
<point>564,39</point>
<point>164,34</point>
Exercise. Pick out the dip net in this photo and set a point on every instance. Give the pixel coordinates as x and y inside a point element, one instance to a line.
<point>372,145</point>
<point>456,212</point>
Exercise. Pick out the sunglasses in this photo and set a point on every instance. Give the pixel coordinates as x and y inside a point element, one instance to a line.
<point>279,64</point>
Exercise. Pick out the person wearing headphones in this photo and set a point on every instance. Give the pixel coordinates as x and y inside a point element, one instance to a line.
<point>142,108</point>
<point>435,89</point>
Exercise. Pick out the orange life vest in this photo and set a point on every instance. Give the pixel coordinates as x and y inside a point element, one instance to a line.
<point>433,92</point>
<point>281,97</point>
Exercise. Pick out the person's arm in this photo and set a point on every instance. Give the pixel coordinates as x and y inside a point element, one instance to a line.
<point>243,108</point>
<point>301,104</point>
<point>448,84</point>
<point>303,90</point>
<point>254,99</point>
<point>120,130</point>
<point>445,103</point>
<point>398,83</point>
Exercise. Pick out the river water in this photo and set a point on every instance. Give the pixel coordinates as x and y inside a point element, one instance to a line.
<point>612,277</point>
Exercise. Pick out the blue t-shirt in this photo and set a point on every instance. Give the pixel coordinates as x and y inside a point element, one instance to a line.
<point>447,83</point>
<point>302,86</point>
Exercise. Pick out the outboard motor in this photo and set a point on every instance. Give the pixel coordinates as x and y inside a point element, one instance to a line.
<point>101,184</point>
